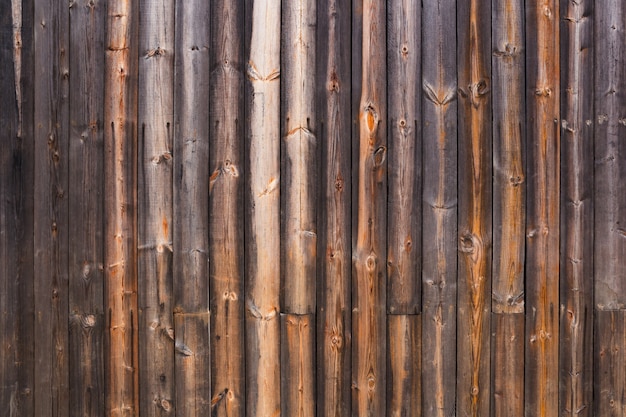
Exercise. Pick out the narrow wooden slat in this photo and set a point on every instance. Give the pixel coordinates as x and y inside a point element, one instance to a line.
<point>507,359</point>
<point>86,207</point>
<point>439,221</point>
<point>297,334</point>
<point>609,378</point>
<point>154,207</point>
<point>334,254</point>
<point>404,384</point>
<point>474,219</point>
<point>51,390</point>
<point>610,153</point>
<point>509,139</point>
<point>369,276</point>
<point>191,211</point>
<point>405,157</point>
<point>262,198</point>
<point>542,211</point>
<point>299,157</point>
<point>576,288</point>
<point>120,189</point>
<point>226,208</point>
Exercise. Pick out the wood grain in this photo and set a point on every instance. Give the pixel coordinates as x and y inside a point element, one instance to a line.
<point>507,359</point>
<point>404,386</point>
<point>609,363</point>
<point>298,354</point>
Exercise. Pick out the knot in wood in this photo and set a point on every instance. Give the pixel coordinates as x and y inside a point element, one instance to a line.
<point>516,180</point>
<point>87,321</point>
<point>370,263</point>
<point>380,154</point>
<point>339,183</point>
<point>371,118</point>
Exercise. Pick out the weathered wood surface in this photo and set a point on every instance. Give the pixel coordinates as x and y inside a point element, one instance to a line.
<point>577,170</point>
<point>404,380</point>
<point>86,205</point>
<point>262,198</point>
<point>439,234</point>
<point>404,207</point>
<point>542,210</point>
<point>120,222</point>
<point>299,157</point>
<point>509,140</point>
<point>226,209</point>
<point>609,364</point>
<point>335,251</point>
<point>297,334</point>
<point>51,231</point>
<point>507,353</point>
<point>369,266</point>
<point>154,207</point>
<point>610,150</point>
<point>191,210</point>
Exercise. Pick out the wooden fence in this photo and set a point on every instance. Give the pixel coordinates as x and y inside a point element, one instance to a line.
<point>324,207</point>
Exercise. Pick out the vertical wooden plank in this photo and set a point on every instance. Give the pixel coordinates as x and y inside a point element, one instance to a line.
<point>507,358</point>
<point>51,389</point>
<point>509,138</point>
<point>120,189</point>
<point>154,207</point>
<point>262,198</point>
<point>297,334</point>
<point>404,383</point>
<point>610,151</point>
<point>299,157</point>
<point>576,288</point>
<point>226,209</point>
<point>191,211</point>
<point>334,254</point>
<point>86,207</point>
<point>404,248</point>
<point>542,211</point>
<point>609,363</point>
<point>439,221</point>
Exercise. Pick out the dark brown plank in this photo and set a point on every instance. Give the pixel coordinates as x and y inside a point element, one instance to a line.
<point>404,210</point>
<point>509,138</point>
<point>610,154</point>
<point>439,221</point>
<point>51,389</point>
<point>507,359</point>
<point>120,208</point>
<point>191,211</point>
<point>404,379</point>
<point>297,334</point>
<point>334,253</point>
<point>86,206</point>
<point>609,377</point>
<point>577,166</point>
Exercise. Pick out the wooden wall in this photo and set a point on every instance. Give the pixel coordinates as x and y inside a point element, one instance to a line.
<point>313,208</point>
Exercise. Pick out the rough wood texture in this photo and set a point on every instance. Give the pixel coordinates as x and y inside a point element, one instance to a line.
<point>439,222</point>
<point>577,166</point>
<point>335,252</point>
<point>298,355</point>
<point>51,389</point>
<point>369,266</point>
<point>507,353</point>
<point>86,205</point>
<point>509,139</point>
<point>191,211</point>
<point>262,199</point>
<point>404,209</point>
<point>404,386</point>
<point>474,219</point>
<point>120,185</point>
<point>154,207</point>
<point>542,211</point>
<point>226,208</point>
<point>609,364</point>
<point>610,151</point>
<point>299,157</point>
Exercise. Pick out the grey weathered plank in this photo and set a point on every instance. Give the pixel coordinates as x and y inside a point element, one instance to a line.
<point>191,209</point>
<point>507,360</point>
<point>226,209</point>
<point>609,375</point>
<point>577,166</point>
<point>86,207</point>
<point>404,210</point>
<point>297,334</point>
<point>439,217</point>
<point>404,379</point>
